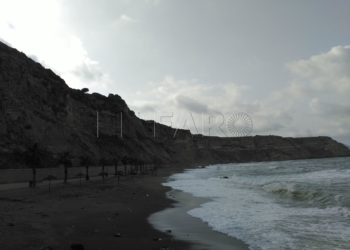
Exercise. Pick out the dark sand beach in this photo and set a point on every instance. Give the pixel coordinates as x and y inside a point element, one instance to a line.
<point>185,227</point>
<point>101,216</point>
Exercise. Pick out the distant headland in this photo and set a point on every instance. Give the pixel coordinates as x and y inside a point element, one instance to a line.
<point>37,107</point>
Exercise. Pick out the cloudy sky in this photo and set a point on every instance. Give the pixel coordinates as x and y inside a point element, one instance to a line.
<point>193,64</point>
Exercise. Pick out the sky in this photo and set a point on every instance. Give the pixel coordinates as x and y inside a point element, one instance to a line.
<point>195,64</point>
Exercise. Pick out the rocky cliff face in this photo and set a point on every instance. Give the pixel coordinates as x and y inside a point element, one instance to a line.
<point>36,106</point>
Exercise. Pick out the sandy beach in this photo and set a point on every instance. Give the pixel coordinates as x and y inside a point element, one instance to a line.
<point>188,228</point>
<point>97,215</point>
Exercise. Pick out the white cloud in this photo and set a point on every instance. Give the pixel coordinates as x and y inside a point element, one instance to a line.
<point>126,19</point>
<point>340,112</point>
<point>325,72</point>
<point>267,127</point>
<point>190,99</point>
<point>122,21</point>
<point>156,2</point>
<point>191,95</point>
<point>10,25</point>
<point>37,30</point>
<point>271,118</point>
<point>192,103</point>
<point>334,119</point>
<point>321,85</point>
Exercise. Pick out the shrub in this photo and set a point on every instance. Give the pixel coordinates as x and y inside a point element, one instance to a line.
<point>85,90</point>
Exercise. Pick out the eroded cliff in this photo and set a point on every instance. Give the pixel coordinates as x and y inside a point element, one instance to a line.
<point>36,106</point>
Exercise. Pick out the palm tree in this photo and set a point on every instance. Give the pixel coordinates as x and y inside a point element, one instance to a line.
<point>79,176</point>
<point>66,160</point>
<point>103,163</point>
<point>131,162</point>
<point>140,165</point>
<point>143,165</point>
<point>125,163</point>
<point>85,161</point>
<point>136,164</point>
<point>50,178</point>
<point>116,172</point>
<point>33,160</point>
<point>116,160</point>
<point>156,165</point>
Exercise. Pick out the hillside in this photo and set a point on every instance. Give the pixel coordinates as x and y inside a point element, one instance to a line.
<point>37,106</point>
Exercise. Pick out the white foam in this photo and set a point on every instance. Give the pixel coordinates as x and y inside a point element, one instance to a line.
<point>241,208</point>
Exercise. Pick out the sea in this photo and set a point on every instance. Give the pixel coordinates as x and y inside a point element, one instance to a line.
<point>299,204</point>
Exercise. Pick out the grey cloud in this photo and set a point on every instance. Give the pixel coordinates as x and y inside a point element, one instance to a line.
<point>190,104</point>
<point>329,110</point>
<point>268,127</point>
<point>302,133</point>
<point>34,58</point>
<point>147,108</point>
<point>89,72</point>
<point>345,139</point>
<point>280,116</point>
<point>334,119</point>
<point>156,2</point>
<point>10,25</point>
<point>249,108</point>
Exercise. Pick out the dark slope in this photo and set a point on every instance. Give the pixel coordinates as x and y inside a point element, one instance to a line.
<point>37,106</point>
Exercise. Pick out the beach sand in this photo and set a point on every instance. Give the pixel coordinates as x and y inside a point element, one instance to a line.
<point>188,228</point>
<point>99,216</point>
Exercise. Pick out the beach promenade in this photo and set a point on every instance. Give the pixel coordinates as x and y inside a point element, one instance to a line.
<point>97,215</point>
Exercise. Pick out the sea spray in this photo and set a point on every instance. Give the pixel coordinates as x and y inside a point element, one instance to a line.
<point>303,204</point>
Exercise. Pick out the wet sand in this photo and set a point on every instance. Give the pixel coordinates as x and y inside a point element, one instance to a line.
<point>98,215</point>
<point>188,228</point>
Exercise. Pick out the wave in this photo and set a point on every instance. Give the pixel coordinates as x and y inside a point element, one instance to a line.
<point>274,206</point>
<point>312,197</point>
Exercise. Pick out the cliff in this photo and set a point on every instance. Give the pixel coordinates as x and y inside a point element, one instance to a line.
<point>36,106</point>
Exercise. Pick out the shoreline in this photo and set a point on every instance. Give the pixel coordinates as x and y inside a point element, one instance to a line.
<point>95,213</point>
<point>92,215</point>
<point>188,228</point>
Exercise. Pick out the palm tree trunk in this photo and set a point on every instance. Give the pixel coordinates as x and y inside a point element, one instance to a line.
<point>87,173</point>
<point>34,176</point>
<point>65,174</point>
<point>103,173</point>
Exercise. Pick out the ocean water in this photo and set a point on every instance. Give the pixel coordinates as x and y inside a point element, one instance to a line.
<point>302,204</point>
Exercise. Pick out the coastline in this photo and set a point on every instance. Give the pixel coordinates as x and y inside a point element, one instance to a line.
<point>188,228</point>
<point>93,215</point>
